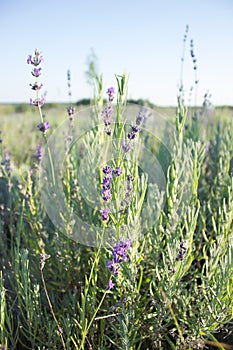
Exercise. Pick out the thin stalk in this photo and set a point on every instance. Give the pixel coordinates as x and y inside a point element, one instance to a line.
<point>92,319</point>
<point>51,308</point>
<point>46,142</point>
<point>173,315</point>
<point>182,59</point>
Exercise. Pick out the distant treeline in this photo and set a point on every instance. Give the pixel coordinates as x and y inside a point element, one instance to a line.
<point>9,108</point>
<point>88,101</point>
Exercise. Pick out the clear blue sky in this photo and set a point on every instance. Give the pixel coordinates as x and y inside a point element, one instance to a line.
<point>143,38</point>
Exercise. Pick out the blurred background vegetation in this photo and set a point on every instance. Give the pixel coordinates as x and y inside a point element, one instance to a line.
<point>19,122</point>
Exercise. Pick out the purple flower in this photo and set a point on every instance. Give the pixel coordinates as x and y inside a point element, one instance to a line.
<point>113,266</point>
<point>70,111</point>
<point>111,285</point>
<point>106,191</point>
<point>107,170</point>
<point>129,186</point>
<point>104,213</point>
<point>117,171</point>
<point>131,135</point>
<point>106,183</point>
<point>106,195</point>
<point>6,156</point>
<point>129,190</point>
<point>108,131</point>
<point>120,251</point>
<point>29,59</point>
<point>7,161</point>
<point>106,187</point>
<point>130,178</point>
<point>36,72</point>
<point>126,146</point>
<point>36,60</point>
<point>139,118</point>
<point>39,153</point>
<point>36,86</point>
<point>183,251</point>
<point>107,115</point>
<point>119,255</point>
<point>135,128</point>
<point>43,127</point>
<point>38,102</point>
<point>110,93</point>
<point>107,118</point>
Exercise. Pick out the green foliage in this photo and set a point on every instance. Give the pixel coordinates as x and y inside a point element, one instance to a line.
<point>176,289</point>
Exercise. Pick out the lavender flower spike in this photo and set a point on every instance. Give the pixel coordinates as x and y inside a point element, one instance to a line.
<point>7,161</point>
<point>126,146</point>
<point>140,118</point>
<point>107,115</point>
<point>108,111</point>
<point>39,153</point>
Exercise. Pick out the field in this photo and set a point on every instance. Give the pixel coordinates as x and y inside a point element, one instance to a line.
<point>116,224</point>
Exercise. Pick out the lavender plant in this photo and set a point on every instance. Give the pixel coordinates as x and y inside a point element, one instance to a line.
<point>39,101</point>
<point>156,211</point>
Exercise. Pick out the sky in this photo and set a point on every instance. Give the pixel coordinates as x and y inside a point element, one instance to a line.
<point>141,38</point>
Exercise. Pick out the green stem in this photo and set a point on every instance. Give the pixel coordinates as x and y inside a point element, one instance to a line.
<point>50,159</point>
<point>46,141</point>
<point>91,321</point>
<point>60,331</point>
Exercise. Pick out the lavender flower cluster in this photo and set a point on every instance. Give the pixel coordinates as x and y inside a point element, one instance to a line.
<point>106,184</point>
<point>68,83</point>
<point>70,111</point>
<point>119,255</point>
<point>108,111</point>
<point>129,190</point>
<point>39,153</point>
<point>193,55</point>
<point>35,61</point>
<point>7,162</point>
<point>36,72</point>
<point>106,187</point>
<point>182,251</point>
<point>107,180</point>
<point>135,129</point>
